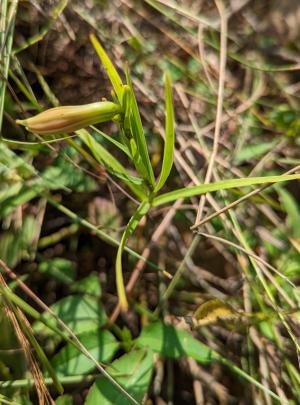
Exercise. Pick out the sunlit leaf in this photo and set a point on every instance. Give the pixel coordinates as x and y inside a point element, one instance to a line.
<point>169,134</point>
<point>81,313</point>
<point>220,185</point>
<point>102,345</point>
<point>133,371</point>
<point>174,343</point>
<point>109,67</point>
<point>142,161</point>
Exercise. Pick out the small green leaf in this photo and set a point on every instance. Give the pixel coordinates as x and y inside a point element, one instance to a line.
<point>133,371</point>
<point>102,345</point>
<point>220,185</point>
<point>170,136</point>
<point>174,343</point>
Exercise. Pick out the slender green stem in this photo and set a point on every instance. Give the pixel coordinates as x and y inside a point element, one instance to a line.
<point>72,379</point>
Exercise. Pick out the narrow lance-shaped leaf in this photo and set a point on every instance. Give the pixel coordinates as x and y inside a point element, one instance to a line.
<point>142,161</point>
<point>137,132</point>
<point>112,164</point>
<point>169,136</point>
<point>112,140</point>
<point>125,122</point>
<point>111,71</point>
<point>220,185</point>
<point>131,226</point>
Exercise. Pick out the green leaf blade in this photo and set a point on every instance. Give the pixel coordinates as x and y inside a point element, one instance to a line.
<point>220,185</point>
<point>111,71</point>
<point>169,134</point>
<point>174,343</point>
<point>137,132</point>
<point>81,313</point>
<point>112,164</point>
<point>133,371</point>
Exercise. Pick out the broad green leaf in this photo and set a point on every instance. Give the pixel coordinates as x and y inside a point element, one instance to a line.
<point>170,136</point>
<point>65,174</point>
<point>133,371</point>
<point>174,343</point>
<point>254,151</point>
<point>137,132</point>
<point>131,226</point>
<point>59,268</point>
<point>64,400</point>
<point>111,163</point>
<point>293,211</point>
<point>102,345</point>
<point>220,185</point>
<point>81,313</point>
<point>88,285</point>
<point>112,73</point>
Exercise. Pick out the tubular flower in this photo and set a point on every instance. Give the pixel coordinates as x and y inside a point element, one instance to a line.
<point>71,118</point>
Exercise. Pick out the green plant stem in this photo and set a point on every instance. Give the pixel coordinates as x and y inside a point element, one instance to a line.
<point>130,228</point>
<point>57,236</point>
<point>72,379</point>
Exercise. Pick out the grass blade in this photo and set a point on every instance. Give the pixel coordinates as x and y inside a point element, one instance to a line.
<point>170,136</point>
<point>220,185</point>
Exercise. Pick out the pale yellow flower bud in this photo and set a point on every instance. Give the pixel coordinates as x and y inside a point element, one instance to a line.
<point>71,118</point>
